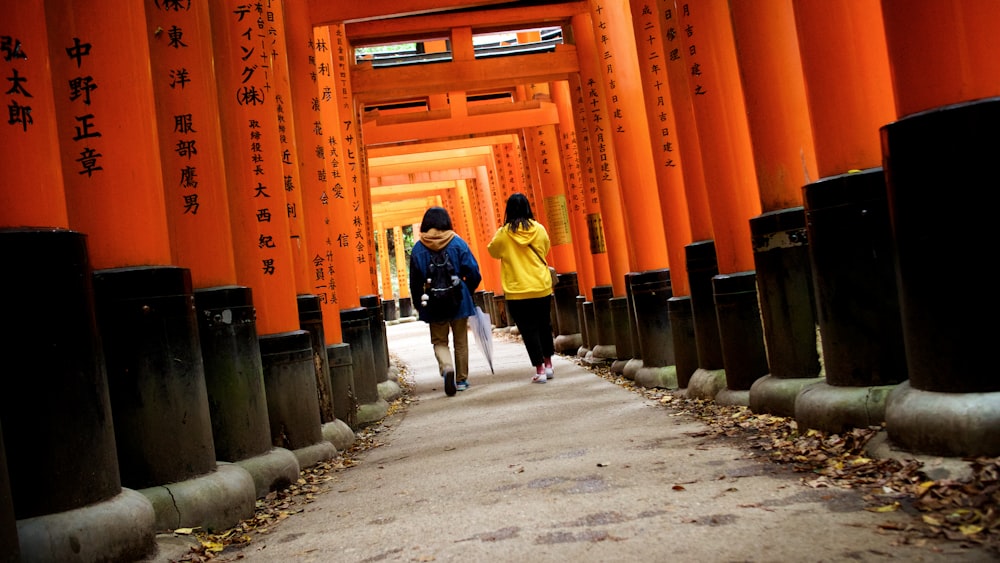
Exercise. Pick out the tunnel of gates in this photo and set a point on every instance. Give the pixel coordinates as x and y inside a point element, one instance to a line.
<point>206,208</point>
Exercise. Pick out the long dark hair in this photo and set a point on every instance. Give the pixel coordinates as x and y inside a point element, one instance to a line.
<point>518,213</point>
<point>436,218</point>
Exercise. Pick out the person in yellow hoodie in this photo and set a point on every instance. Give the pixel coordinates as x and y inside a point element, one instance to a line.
<point>520,245</point>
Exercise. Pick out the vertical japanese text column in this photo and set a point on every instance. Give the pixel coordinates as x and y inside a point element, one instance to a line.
<point>197,203</point>
<point>569,153</point>
<point>692,316</point>
<point>939,163</point>
<point>246,54</point>
<point>346,226</point>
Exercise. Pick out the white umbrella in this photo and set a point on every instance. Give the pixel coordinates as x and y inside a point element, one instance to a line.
<point>483,331</point>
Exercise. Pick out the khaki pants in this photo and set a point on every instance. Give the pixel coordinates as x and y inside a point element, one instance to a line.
<point>459,329</point>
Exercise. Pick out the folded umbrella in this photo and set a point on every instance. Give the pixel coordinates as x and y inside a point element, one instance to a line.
<point>483,331</point>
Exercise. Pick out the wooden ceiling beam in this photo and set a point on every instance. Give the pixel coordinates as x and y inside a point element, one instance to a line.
<point>402,168</point>
<point>407,191</point>
<point>373,85</point>
<point>492,123</point>
<point>361,33</point>
<point>435,146</point>
<point>328,12</point>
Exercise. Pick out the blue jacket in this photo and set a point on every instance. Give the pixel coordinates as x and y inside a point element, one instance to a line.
<point>460,256</point>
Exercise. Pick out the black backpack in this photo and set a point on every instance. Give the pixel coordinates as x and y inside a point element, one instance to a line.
<point>442,288</point>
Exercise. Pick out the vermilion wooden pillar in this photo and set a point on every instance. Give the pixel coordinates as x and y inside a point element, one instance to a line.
<point>187,110</point>
<point>708,49</point>
<point>621,249</point>
<point>784,158</point>
<point>317,285</point>
<point>590,172</point>
<point>486,224</point>
<point>48,277</point>
<point>402,273</point>
<point>939,157</point>
<point>692,316</point>
<point>145,306</point>
<point>246,53</point>
<point>353,161</point>
<point>577,184</point>
<point>849,92</point>
<point>655,337</point>
<point>345,221</point>
<point>626,124</point>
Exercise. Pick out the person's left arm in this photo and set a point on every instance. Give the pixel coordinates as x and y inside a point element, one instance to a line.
<point>469,269</point>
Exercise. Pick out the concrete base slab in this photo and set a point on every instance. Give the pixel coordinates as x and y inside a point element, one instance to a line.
<point>372,412</point>
<point>121,528</point>
<point>214,501</point>
<point>312,454</point>
<point>729,397</point>
<point>935,467</point>
<point>618,367</point>
<point>272,471</point>
<point>582,352</point>
<point>631,367</point>
<point>339,434</point>
<point>838,409</point>
<point>949,424</point>
<point>393,373</point>
<point>657,377</point>
<point>705,384</point>
<point>389,390</point>
<point>776,396</point>
<point>606,352</point>
<point>565,343</point>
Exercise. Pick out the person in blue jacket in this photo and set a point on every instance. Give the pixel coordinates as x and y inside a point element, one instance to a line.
<point>435,234</point>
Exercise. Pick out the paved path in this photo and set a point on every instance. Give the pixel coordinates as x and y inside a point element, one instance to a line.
<point>578,469</point>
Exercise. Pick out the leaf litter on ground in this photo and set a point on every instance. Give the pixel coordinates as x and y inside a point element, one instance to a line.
<point>960,510</point>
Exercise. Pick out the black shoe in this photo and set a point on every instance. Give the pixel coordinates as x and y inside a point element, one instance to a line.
<point>449,382</point>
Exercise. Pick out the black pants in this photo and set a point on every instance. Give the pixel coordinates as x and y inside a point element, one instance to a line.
<point>533,320</point>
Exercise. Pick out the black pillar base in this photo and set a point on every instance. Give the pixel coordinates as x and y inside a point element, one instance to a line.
<point>156,375</point>
<point>569,338</point>
<point>742,335</point>
<point>311,321</point>
<point>685,344</point>
<point>290,384</point>
<point>702,267</point>
<point>604,348</point>
<point>380,346</point>
<point>234,375</point>
<point>345,403</point>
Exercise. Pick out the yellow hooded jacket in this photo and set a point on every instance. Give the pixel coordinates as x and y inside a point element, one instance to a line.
<point>523,272</point>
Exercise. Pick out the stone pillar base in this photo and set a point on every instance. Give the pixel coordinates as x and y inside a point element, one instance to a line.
<point>314,453</point>
<point>605,352</point>
<point>369,413</point>
<point>631,367</point>
<point>657,377</point>
<point>118,529</point>
<point>949,424</point>
<point>272,471</point>
<point>566,343</point>
<point>339,434</point>
<point>213,501</point>
<point>776,396</point>
<point>705,384</point>
<point>735,398</point>
<point>618,367</point>
<point>389,390</point>
<point>838,409</point>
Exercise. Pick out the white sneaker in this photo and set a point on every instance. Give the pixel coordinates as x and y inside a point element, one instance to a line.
<point>548,373</point>
<point>539,378</point>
